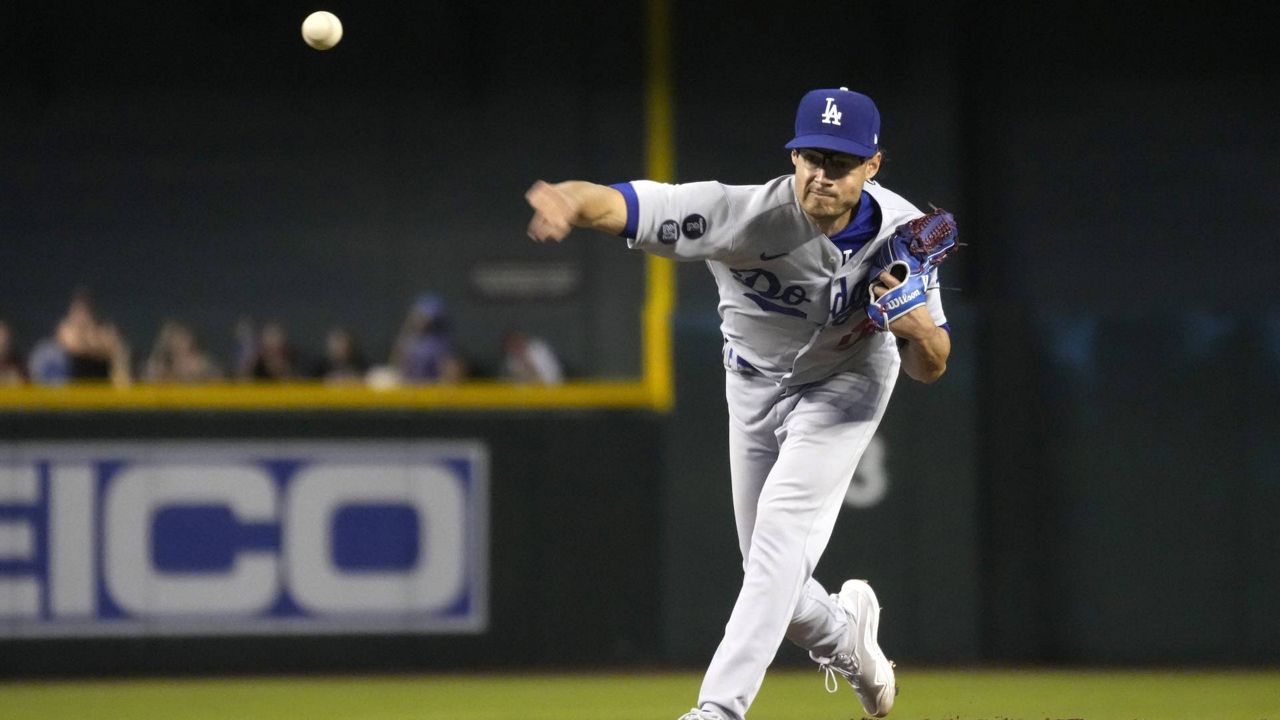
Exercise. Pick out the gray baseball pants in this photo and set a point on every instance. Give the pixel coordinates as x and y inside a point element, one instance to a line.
<point>792,454</point>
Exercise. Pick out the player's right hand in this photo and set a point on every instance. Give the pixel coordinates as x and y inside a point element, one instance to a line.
<point>553,212</point>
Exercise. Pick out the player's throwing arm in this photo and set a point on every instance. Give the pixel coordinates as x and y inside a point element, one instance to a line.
<point>559,208</point>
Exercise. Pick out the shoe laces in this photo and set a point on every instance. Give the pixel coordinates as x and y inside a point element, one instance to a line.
<point>699,714</point>
<point>843,664</point>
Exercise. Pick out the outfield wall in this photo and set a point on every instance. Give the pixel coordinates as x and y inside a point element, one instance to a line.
<point>609,536</point>
<point>566,576</point>
<point>1080,533</point>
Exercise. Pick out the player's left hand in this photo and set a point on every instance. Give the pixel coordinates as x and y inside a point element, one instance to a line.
<point>912,326</point>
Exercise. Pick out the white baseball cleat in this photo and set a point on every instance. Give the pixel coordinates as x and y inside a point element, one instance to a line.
<point>863,663</point>
<point>697,714</point>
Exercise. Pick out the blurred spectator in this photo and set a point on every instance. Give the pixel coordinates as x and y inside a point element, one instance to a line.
<point>47,363</point>
<point>274,357</point>
<point>423,351</point>
<point>529,360</point>
<point>246,348</point>
<point>10,368</point>
<point>454,369</point>
<point>176,358</point>
<point>343,362</point>
<point>94,349</point>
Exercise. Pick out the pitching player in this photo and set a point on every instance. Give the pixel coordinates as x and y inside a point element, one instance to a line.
<point>808,370</point>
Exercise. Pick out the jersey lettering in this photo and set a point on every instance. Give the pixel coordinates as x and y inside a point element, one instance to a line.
<point>864,329</point>
<point>766,289</point>
<point>845,300</point>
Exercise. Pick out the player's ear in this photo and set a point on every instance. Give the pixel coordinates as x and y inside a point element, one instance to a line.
<point>872,165</point>
<point>795,158</point>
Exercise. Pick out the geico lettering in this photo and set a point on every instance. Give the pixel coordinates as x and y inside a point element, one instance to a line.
<point>19,496</point>
<point>320,586</point>
<point>234,540</point>
<point>248,586</point>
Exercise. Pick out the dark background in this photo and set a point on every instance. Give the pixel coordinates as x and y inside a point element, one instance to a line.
<point>1096,479</point>
<point>198,161</point>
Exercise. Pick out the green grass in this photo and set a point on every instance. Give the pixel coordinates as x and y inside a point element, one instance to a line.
<point>786,695</point>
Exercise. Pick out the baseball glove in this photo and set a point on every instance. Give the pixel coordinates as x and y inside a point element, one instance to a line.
<point>916,248</point>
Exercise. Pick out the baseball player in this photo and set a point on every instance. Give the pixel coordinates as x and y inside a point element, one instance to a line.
<point>807,267</point>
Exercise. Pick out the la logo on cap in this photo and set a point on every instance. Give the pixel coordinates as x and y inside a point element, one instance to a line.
<point>838,120</point>
<point>832,115</point>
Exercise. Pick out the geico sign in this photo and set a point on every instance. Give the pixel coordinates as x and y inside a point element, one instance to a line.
<point>285,540</point>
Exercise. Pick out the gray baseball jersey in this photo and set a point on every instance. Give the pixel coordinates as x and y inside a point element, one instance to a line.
<point>809,381</point>
<point>791,302</point>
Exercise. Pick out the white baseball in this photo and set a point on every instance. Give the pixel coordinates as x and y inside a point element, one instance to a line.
<point>322,30</point>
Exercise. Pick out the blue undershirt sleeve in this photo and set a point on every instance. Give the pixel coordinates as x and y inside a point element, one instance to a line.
<point>633,209</point>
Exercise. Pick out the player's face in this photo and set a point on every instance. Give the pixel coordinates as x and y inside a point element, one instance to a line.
<point>828,184</point>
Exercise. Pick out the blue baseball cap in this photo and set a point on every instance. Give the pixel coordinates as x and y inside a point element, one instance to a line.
<point>839,120</point>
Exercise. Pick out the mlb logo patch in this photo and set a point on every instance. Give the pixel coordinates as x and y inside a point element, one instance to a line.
<point>669,232</point>
<point>695,226</point>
